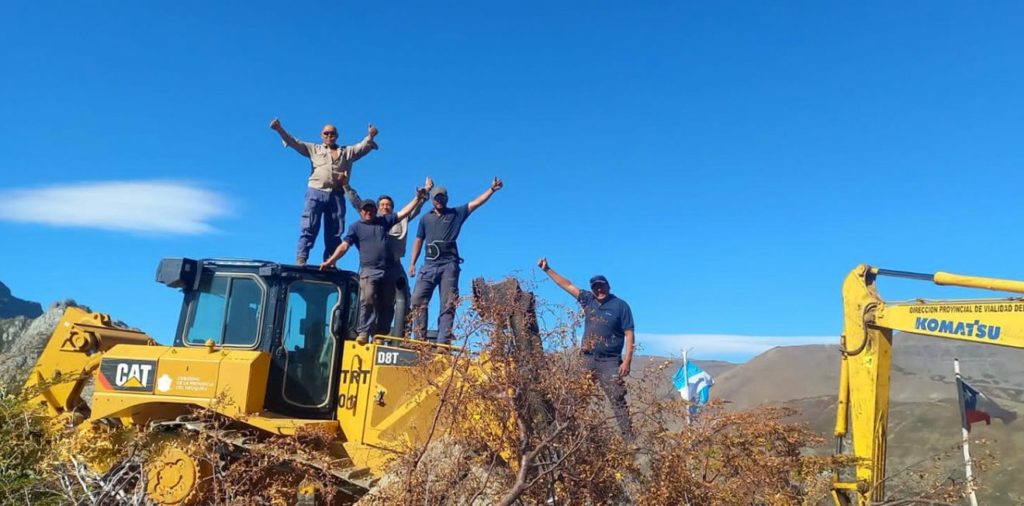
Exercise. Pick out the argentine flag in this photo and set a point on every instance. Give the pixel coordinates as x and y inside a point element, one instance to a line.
<point>693,383</point>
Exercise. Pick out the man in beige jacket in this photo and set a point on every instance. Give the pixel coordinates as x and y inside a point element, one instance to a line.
<point>330,169</point>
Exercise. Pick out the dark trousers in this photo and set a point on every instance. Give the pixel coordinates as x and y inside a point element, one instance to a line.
<point>606,373</point>
<point>328,207</point>
<point>443,274</point>
<point>375,297</point>
<point>395,276</point>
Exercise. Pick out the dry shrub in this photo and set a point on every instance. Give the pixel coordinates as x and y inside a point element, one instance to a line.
<point>519,419</point>
<point>939,478</point>
<point>27,443</point>
<point>529,427</point>
<point>723,457</point>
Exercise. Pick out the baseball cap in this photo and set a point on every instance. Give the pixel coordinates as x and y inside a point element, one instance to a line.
<point>368,203</point>
<point>439,190</point>
<point>599,279</point>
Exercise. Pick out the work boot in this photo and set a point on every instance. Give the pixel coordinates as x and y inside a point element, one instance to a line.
<point>300,261</point>
<point>362,339</point>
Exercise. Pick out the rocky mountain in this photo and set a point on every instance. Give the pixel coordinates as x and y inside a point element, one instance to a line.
<point>12,307</point>
<point>29,339</point>
<point>11,329</point>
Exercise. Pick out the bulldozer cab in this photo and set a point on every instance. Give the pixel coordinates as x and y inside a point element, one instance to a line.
<point>299,316</point>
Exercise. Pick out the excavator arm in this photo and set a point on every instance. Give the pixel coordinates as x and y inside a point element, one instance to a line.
<point>866,346</point>
<point>71,356</point>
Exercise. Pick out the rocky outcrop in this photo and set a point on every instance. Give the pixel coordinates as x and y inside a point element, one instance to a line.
<point>11,329</point>
<point>22,351</point>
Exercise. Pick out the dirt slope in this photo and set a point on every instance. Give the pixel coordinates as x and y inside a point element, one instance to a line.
<point>922,371</point>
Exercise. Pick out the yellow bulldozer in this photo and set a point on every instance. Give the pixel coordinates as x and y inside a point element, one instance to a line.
<point>866,346</point>
<point>270,348</point>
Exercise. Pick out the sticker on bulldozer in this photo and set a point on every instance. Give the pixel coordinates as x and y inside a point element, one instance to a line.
<point>395,356</point>
<point>127,375</point>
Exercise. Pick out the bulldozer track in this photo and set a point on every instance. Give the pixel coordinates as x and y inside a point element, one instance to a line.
<point>353,481</point>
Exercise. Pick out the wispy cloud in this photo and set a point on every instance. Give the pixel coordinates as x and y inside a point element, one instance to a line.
<point>722,346</point>
<point>168,207</point>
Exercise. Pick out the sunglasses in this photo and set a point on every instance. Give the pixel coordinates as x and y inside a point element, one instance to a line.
<point>329,134</point>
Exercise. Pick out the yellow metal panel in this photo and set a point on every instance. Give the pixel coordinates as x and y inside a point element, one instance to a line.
<point>284,426</point>
<point>399,399</point>
<point>140,408</point>
<point>382,406</point>
<point>232,382</point>
<point>189,372</point>
<point>987,321</point>
<point>243,381</point>
<point>136,352</point>
<point>405,412</point>
<point>354,388</point>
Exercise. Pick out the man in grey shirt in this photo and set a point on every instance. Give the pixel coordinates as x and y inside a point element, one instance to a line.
<point>330,169</point>
<point>396,242</point>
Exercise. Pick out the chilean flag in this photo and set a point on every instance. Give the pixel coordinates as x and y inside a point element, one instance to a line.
<point>978,407</point>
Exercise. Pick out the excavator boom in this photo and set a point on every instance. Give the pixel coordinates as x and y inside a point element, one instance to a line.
<point>866,346</point>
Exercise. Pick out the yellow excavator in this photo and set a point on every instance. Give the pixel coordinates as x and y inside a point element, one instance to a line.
<point>866,346</point>
<point>269,347</point>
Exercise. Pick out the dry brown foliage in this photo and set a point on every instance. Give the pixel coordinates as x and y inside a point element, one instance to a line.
<point>534,429</point>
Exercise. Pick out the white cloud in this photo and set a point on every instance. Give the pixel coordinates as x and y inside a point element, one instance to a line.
<point>726,346</point>
<point>134,206</point>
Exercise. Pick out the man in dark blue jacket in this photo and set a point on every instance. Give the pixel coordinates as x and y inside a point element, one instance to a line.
<point>370,236</point>
<point>438,231</point>
<point>607,332</point>
<point>397,237</point>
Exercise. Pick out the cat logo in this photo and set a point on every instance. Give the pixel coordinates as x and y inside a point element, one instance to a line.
<point>127,375</point>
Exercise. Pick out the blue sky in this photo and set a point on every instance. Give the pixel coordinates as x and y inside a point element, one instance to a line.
<point>723,163</point>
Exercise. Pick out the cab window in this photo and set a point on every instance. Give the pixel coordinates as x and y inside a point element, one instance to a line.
<point>309,343</point>
<point>227,310</point>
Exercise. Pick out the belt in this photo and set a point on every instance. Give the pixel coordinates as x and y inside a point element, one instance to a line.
<point>437,249</point>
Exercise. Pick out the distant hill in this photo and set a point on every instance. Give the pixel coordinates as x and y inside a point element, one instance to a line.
<point>924,419</point>
<point>922,371</point>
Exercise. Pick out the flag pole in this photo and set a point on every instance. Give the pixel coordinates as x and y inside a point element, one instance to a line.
<point>686,384</point>
<point>965,441</point>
